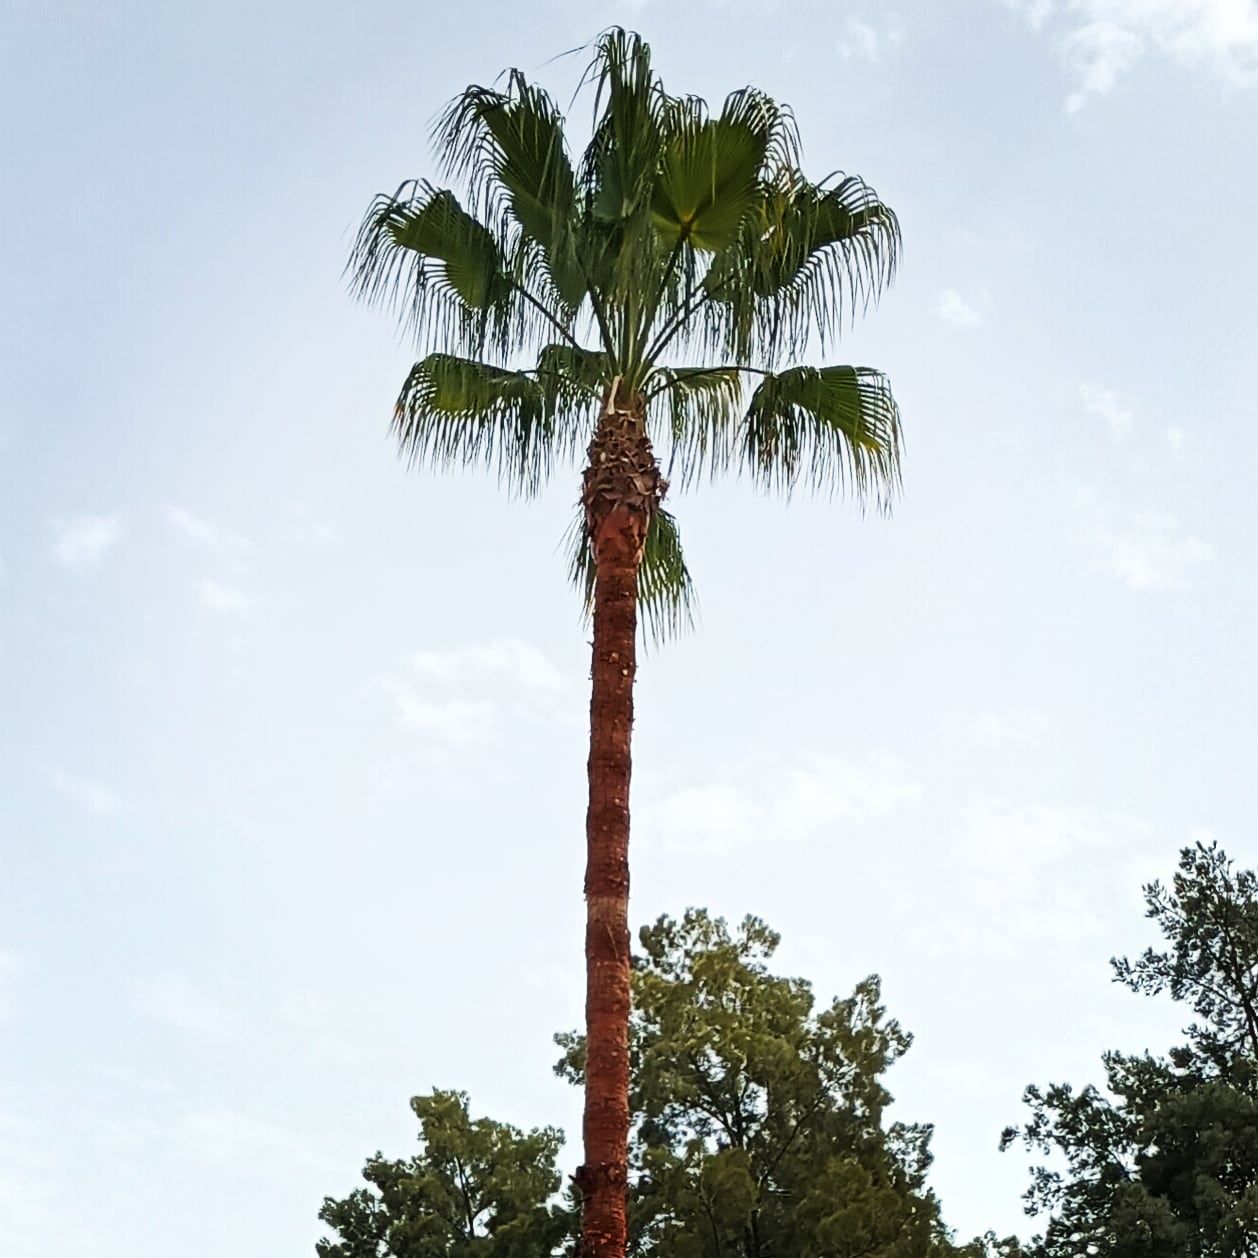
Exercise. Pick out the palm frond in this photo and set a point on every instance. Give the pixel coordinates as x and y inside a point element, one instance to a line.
<point>807,258</point>
<point>665,589</point>
<point>419,252</point>
<point>666,593</point>
<point>844,223</point>
<point>575,370</point>
<point>711,169</point>
<point>461,412</point>
<point>629,101</point>
<point>701,407</point>
<point>833,427</point>
<point>510,147</point>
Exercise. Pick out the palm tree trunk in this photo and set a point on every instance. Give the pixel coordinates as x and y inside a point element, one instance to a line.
<point>622,491</point>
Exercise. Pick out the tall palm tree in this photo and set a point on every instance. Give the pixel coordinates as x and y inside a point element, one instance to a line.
<point>625,301</point>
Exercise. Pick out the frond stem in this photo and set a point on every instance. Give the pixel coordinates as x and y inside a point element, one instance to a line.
<point>600,316</point>
<point>690,373</point>
<point>673,254</point>
<point>669,330</point>
<point>559,327</point>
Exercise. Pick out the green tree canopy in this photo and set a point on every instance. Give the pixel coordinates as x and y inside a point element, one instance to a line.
<point>761,1118</point>
<point>476,1189</point>
<point>760,1130</point>
<point>1163,1161</point>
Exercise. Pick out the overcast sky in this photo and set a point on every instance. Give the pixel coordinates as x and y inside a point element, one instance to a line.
<point>292,739</point>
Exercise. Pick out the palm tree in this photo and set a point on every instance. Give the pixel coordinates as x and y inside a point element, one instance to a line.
<point>624,302</point>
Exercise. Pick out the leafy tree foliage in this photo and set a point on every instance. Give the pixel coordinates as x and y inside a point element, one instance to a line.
<point>476,1189</point>
<point>1163,1162</point>
<point>759,1131</point>
<point>760,1119</point>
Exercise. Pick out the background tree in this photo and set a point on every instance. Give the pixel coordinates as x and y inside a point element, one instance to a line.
<point>619,302</point>
<point>760,1119</point>
<point>759,1130</point>
<point>1163,1163</point>
<point>476,1189</point>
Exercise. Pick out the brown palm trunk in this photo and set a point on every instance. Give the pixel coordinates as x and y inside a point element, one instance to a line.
<point>622,490</point>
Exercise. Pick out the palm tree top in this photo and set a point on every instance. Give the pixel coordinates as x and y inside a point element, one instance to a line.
<point>680,258</point>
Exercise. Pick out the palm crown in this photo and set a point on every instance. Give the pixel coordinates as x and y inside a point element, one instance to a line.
<point>681,260</point>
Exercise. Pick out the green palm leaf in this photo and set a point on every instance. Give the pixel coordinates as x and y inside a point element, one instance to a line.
<point>512,146</point>
<point>808,255</point>
<point>420,248</point>
<point>461,412</point>
<point>621,161</point>
<point>711,169</point>
<point>809,222</point>
<point>700,407</point>
<point>666,592</point>
<point>834,427</point>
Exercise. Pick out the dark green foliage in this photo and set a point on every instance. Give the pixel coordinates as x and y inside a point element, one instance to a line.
<point>760,1119</point>
<point>759,1131</point>
<point>476,1189</point>
<point>1163,1162</point>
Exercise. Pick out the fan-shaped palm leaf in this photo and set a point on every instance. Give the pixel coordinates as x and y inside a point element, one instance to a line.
<point>832,427</point>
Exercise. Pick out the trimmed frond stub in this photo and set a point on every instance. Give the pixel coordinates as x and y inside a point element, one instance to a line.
<point>666,592</point>
<point>831,427</point>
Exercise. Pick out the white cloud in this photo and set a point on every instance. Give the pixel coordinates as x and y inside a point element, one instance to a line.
<point>310,529</point>
<point>829,789</point>
<point>463,697</point>
<point>1006,872</point>
<point>717,816</point>
<point>1006,851</point>
<point>1098,53</point>
<point>1108,406</point>
<point>1036,12</point>
<point>1175,437</point>
<point>1148,551</point>
<point>1100,40</point>
<point>504,657</point>
<point>91,796</point>
<point>224,599</point>
<point>172,999</point>
<point>234,1138</point>
<point>83,541</point>
<point>954,310</point>
<point>793,803</point>
<point>458,722</point>
<point>862,42</point>
<point>1002,729</point>
<point>214,537</point>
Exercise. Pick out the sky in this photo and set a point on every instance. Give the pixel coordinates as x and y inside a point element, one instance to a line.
<point>292,737</point>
